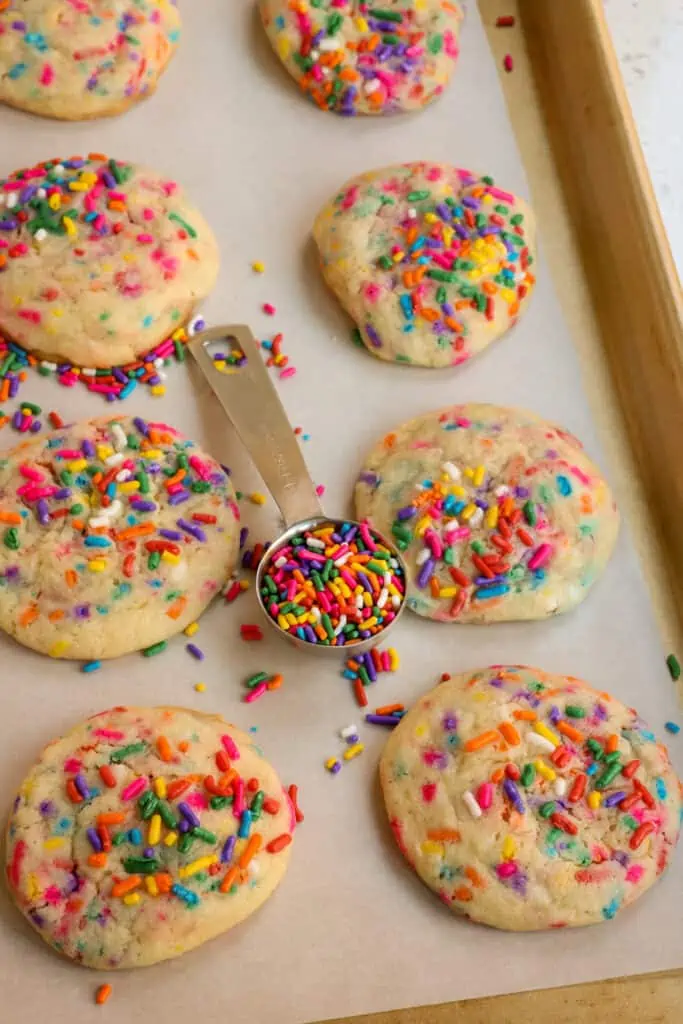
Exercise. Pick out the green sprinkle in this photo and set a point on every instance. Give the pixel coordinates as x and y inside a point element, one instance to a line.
<point>574,711</point>
<point>386,15</point>
<point>674,667</point>
<point>415,197</point>
<point>219,802</point>
<point>151,807</point>
<point>119,839</point>
<point>183,223</point>
<point>528,775</point>
<point>363,673</point>
<point>141,865</point>
<point>530,513</point>
<point>259,677</point>
<point>554,835</point>
<point>153,561</point>
<point>205,835</point>
<point>11,539</point>
<point>149,652</point>
<point>545,810</point>
<point>257,805</point>
<point>133,748</point>
<point>327,625</point>
<point>166,814</point>
<point>595,749</point>
<point>35,409</point>
<point>610,773</point>
<point>185,842</point>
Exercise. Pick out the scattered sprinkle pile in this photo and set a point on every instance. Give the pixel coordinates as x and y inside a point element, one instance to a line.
<point>260,683</point>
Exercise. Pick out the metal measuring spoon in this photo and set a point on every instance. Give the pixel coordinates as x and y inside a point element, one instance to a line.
<point>251,403</point>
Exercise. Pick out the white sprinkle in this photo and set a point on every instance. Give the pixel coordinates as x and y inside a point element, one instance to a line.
<point>329,45</point>
<point>412,213</point>
<point>476,516</point>
<point>315,613</point>
<point>396,601</point>
<point>87,371</point>
<point>40,235</point>
<point>342,622</point>
<point>161,375</point>
<point>423,556</point>
<point>383,598</point>
<point>539,742</point>
<point>59,168</point>
<point>348,731</point>
<point>158,363</point>
<point>178,572</point>
<point>114,460</point>
<point>387,579</point>
<point>560,787</point>
<point>393,562</point>
<point>452,470</point>
<point>313,542</point>
<point>254,868</point>
<point>372,86</point>
<point>124,475</point>
<point>279,562</point>
<point>501,491</point>
<point>48,366</point>
<point>41,194</point>
<point>343,559</point>
<point>471,804</point>
<point>119,436</point>
<point>12,200</point>
<point>359,601</point>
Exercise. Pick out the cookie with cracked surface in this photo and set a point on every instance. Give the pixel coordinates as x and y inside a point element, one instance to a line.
<point>143,833</point>
<point>99,260</point>
<point>499,514</point>
<point>116,534</point>
<point>527,800</point>
<point>353,58</point>
<point>77,60</point>
<point>432,262</point>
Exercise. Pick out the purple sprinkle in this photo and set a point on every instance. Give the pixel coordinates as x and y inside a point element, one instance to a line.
<point>88,449</point>
<point>82,786</point>
<point>62,494</point>
<point>513,795</point>
<point>188,814</point>
<point>554,714</point>
<point>426,573</point>
<point>183,826</point>
<point>170,534</point>
<point>42,512</point>
<point>370,667</point>
<point>17,419</point>
<point>450,723</point>
<point>82,611</point>
<point>119,375</point>
<point>148,852</point>
<point>374,337</point>
<point>194,531</point>
<point>228,849</point>
<point>47,808</point>
<point>143,506</point>
<point>382,720</point>
<point>614,798</point>
<point>8,225</point>
<point>179,497</point>
<point>138,423</point>
<point>94,839</point>
<point>195,651</point>
<point>407,512</point>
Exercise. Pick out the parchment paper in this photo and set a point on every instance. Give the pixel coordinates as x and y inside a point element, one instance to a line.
<point>350,930</point>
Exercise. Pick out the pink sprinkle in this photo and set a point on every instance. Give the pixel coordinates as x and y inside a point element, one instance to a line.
<point>30,473</point>
<point>238,802</point>
<point>72,764</point>
<point>109,734</point>
<point>350,198</point>
<point>134,789</point>
<point>47,75</point>
<point>508,62</point>
<point>497,193</point>
<point>507,869</point>
<point>32,315</point>
<point>230,747</point>
<point>320,490</point>
<point>635,873</point>
<point>386,661</point>
<point>367,539</point>
<point>428,792</point>
<point>485,795</point>
<point>145,239</point>
<point>254,694</point>
<point>197,800</point>
<point>269,309</point>
<point>199,467</point>
<point>148,214</point>
<point>541,556</point>
<point>288,372</point>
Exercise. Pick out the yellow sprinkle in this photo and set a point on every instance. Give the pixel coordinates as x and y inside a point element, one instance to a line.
<point>469,472</point>
<point>448,592</point>
<point>256,498</point>
<point>200,687</point>
<point>258,267</point>
<point>547,733</point>
<point>152,887</point>
<point>468,512</point>
<point>330,763</point>
<point>157,389</point>
<point>492,517</point>
<point>507,295</point>
<point>53,844</point>
<point>545,770</point>
<point>171,839</point>
<point>160,787</point>
<point>594,800</point>
<point>178,335</point>
<point>129,487</point>
<point>394,660</point>
<point>398,256</point>
<point>283,47</point>
<point>154,830</point>
<point>32,887</point>
<point>201,864</point>
<point>430,847</point>
<point>509,848</point>
<point>58,649</point>
<point>420,731</point>
<point>282,622</point>
<point>88,177</point>
<point>55,201</point>
<point>458,491</point>
<point>168,556</point>
<point>191,629</point>
<point>478,477</point>
<point>447,237</point>
<point>362,25</point>
<point>132,898</point>
<point>431,218</point>
<point>152,453</point>
<point>98,565</point>
<point>244,584</point>
<point>78,186</point>
<point>77,465</point>
<point>104,451</point>
<point>353,751</point>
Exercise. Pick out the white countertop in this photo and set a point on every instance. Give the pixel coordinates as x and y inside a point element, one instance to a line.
<point>648,36</point>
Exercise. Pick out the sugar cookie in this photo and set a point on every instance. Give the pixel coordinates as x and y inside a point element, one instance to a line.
<point>115,535</point>
<point>143,833</point>
<point>75,60</point>
<point>99,260</point>
<point>499,514</point>
<point>527,800</point>
<point>432,262</point>
<point>354,58</point>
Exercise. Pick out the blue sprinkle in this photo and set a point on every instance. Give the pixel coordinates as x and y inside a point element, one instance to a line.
<point>91,666</point>
<point>186,895</point>
<point>672,727</point>
<point>610,910</point>
<point>245,825</point>
<point>660,786</point>
<point>135,836</point>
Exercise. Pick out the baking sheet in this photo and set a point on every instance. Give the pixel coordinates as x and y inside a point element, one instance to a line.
<point>350,930</point>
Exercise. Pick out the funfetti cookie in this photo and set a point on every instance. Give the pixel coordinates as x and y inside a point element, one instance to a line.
<point>499,514</point>
<point>143,833</point>
<point>75,60</point>
<point>432,262</point>
<point>100,260</point>
<point>115,535</point>
<point>527,800</point>
<point>356,58</point>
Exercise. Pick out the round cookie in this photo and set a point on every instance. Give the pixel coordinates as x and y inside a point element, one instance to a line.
<point>499,514</point>
<point>355,58</point>
<point>143,833</point>
<point>527,800</point>
<point>116,534</point>
<point>99,260</point>
<point>432,262</point>
<point>74,60</point>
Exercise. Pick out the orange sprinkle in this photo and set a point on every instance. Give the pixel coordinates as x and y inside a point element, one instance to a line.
<point>388,709</point>
<point>142,530</point>
<point>164,882</point>
<point>524,716</point>
<point>568,730</point>
<point>482,740</point>
<point>71,578</point>
<point>183,746</point>
<point>177,608</point>
<point>29,615</point>
<point>164,749</point>
<point>276,682</point>
<point>444,835</point>
<point>463,894</point>
<point>112,818</point>
<point>97,860</point>
<point>125,886</point>
<point>475,878</point>
<point>10,517</point>
<point>612,744</point>
<point>56,615</point>
<point>103,993</point>
<point>498,776</point>
<point>250,850</point>
<point>510,733</point>
<point>230,878</point>
<point>434,586</point>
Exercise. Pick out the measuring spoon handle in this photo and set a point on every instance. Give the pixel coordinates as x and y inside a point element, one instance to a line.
<point>254,408</point>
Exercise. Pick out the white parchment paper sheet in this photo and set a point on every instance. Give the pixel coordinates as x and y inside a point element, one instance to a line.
<point>350,930</point>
